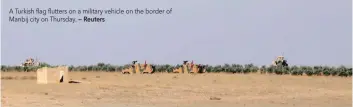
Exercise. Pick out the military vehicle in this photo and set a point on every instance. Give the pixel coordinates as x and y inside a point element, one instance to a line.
<point>190,68</point>
<point>280,61</point>
<point>137,68</point>
<point>30,62</point>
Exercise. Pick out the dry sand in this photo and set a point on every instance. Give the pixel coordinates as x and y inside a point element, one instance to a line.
<point>100,89</point>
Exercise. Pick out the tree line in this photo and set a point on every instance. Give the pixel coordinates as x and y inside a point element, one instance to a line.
<point>227,68</point>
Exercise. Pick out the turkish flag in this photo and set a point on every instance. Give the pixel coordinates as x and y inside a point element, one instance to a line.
<point>192,63</point>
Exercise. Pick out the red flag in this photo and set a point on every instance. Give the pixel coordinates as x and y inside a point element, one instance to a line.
<point>192,63</point>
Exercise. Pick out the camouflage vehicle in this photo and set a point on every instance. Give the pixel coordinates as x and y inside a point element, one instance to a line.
<point>190,68</point>
<point>137,68</point>
<point>30,62</point>
<point>182,68</point>
<point>148,68</point>
<point>198,69</point>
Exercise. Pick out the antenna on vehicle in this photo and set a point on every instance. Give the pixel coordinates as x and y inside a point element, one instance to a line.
<point>35,62</point>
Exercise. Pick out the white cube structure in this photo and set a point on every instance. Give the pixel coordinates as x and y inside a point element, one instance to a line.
<point>47,75</point>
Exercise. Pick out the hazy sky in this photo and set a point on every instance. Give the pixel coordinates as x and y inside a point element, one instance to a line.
<point>308,32</point>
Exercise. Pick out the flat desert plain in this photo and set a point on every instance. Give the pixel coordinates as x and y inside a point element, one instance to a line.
<point>104,89</point>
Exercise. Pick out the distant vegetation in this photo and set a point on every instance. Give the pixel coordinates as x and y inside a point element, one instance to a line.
<point>227,68</point>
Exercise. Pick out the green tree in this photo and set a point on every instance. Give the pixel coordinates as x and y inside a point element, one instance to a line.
<point>71,68</point>
<point>295,70</point>
<point>4,68</point>
<point>247,68</point>
<point>342,71</point>
<point>308,70</point>
<point>271,69</point>
<point>44,64</point>
<point>19,68</point>
<point>226,68</point>
<point>237,68</point>
<point>263,69</point>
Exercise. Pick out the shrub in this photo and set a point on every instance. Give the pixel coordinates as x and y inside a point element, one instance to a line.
<point>217,68</point>
<point>43,64</point>
<point>247,68</point>
<point>326,72</point>
<point>318,70</point>
<point>254,69</point>
<point>334,71</point>
<point>278,71</point>
<point>349,70</point>
<point>30,68</point>
<point>307,70</point>
<point>286,70</point>
<point>71,67</point>
<point>3,67</point>
<point>226,68</point>
<point>209,68</point>
<point>19,68</point>
<point>342,71</point>
<point>237,68</point>
<point>263,69</point>
<point>271,69</point>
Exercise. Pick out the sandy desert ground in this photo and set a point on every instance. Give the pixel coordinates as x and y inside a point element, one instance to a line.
<point>102,89</point>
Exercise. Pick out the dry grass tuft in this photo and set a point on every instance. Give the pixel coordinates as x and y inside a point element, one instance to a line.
<point>215,98</point>
<point>28,77</point>
<point>8,78</point>
<point>17,78</point>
